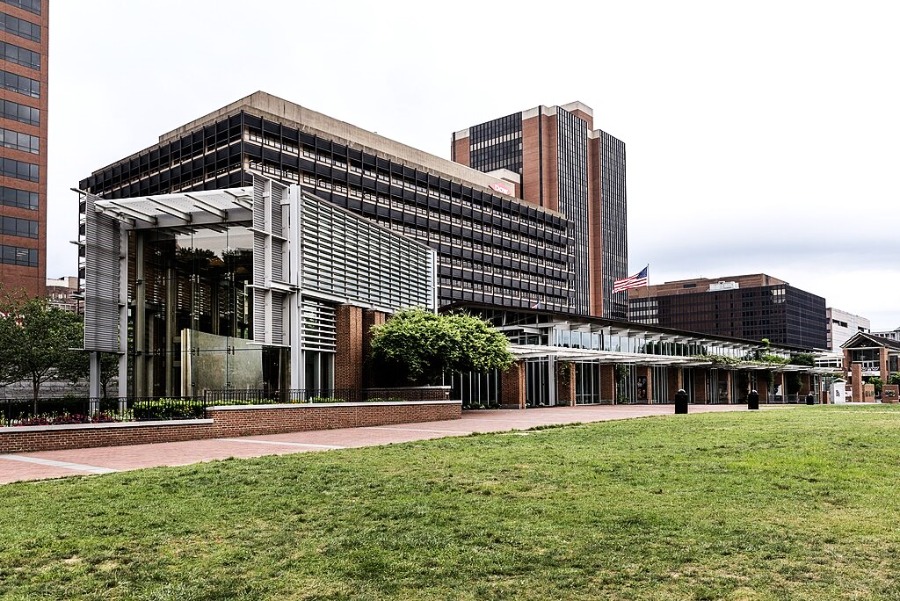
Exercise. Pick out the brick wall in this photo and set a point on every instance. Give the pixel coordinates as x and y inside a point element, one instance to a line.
<point>227,422</point>
<point>348,357</point>
<point>512,386</point>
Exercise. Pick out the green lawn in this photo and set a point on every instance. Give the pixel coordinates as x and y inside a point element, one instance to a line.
<point>796,503</point>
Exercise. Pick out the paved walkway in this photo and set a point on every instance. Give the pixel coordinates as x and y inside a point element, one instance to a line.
<point>106,460</point>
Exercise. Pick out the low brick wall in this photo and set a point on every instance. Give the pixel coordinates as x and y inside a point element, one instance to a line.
<point>230,421</point>
<point>26,439</point>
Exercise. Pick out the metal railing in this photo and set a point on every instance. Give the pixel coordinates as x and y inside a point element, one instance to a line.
<point>85,410</point>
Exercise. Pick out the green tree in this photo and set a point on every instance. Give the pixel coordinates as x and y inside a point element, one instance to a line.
<point>416,347</point>
<point>895,378</point>
<point>876,382</point>
<point>36,341</point>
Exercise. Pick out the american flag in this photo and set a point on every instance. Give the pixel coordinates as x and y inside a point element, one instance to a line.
<point>636,281</point>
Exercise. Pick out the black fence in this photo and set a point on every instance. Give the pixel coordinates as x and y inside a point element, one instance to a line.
<point>84,410</point>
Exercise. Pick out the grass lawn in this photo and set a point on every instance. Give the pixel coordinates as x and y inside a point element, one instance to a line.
<point>796,503</point>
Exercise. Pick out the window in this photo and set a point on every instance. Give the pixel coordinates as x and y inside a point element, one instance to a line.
<point>14,255</point>
<point>11,226</point>
<point>20,27</point>
<point>19,170</point>
<point>32,6</point>
<point>20,112</point>
<point>11,197</point>
<point>20,56</point>
<point>20,84</point>
<point>19,141</point>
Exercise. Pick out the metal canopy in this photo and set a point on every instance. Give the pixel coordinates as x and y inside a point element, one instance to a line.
<point>202,209</point>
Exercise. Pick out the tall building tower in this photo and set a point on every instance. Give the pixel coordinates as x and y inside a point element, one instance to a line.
<point>23,144</point>
<point>565,165</point>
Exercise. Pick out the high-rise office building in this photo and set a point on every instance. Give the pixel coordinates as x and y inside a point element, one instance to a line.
<point>564,164</point>
<point>23,144</point>
<point>751,307</point>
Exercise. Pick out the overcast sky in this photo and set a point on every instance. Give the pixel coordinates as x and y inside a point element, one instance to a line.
<point>761,137</point>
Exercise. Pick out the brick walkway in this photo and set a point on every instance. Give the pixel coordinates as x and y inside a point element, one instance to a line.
<point>105,460</point>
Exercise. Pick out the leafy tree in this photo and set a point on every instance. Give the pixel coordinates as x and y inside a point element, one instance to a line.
<point>876,382</point>
<point>416,347</point>
<point>36,340</point>
<point>895,378</point>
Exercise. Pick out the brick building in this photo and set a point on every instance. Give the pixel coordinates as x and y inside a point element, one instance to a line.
<point>24,38</point>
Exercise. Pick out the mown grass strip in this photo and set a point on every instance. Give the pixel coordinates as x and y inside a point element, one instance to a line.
<point>786,504</point>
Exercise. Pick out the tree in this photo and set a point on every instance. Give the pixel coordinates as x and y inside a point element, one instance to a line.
<point>37,339</point>
<point>416,347</point>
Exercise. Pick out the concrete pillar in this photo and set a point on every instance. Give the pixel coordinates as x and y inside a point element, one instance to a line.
<point>512,386</point>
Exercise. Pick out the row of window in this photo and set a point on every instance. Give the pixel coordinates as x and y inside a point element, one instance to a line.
<point>19,170</point>
<point>20,112</point>
<point>20,56</point>
<point>21,84</point>
<point>20,27</point>
<point>432,215</point>
<point>14,255</point>
<point>13,197</point>
<point>32,6</point>
<point>19,141</point>
<point>12,226</point>
<point>489,269</point>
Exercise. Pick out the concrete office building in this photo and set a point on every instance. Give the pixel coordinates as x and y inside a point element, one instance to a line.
<point>24,44</point>
<point>842,326</point>
<point>751,307</point>
<point>492,247</point>
<point>564,164</point>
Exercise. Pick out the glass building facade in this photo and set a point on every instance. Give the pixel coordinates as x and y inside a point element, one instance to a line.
<point>780,313</point>
<point>614,223</point>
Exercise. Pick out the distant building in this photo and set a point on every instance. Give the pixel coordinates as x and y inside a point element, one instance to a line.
<point>752,307</point>
<point>890,334</point>
<point>562,163</point>
<point>63,293</point>
<point>23,144</point>
<point>842,326</point>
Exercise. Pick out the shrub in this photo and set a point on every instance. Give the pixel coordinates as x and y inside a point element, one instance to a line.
<point>168,409</point>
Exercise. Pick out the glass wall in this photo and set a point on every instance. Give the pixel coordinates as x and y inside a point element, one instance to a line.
<point>191,315</point>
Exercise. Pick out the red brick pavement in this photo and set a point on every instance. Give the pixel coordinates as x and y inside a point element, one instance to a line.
<point>56,464</point>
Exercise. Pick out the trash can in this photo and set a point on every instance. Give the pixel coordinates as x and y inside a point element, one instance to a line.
<point>681,401</point>
<point>810,399</point>
<point>753,400</point>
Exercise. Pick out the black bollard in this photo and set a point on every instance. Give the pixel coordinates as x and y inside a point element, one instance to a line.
<point>753,400</point>
<point>681,401</point>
